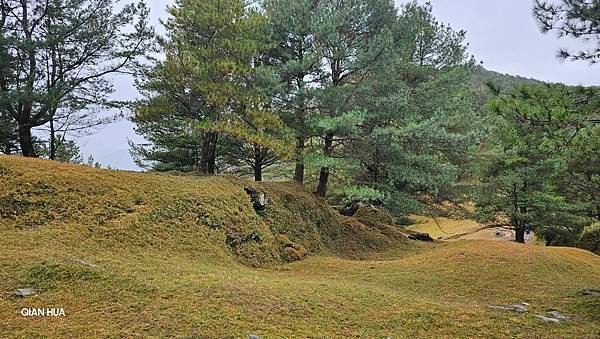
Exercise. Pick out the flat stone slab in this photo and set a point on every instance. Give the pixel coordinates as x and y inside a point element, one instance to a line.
<point>513,307</point>
<point>591,291</point>
<point>555,317</point>
<point>559,316</point>
<point>24,292</point>
<point>547,319</point>
<point>81,262</point>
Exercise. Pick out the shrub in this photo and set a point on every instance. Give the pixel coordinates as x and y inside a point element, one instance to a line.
<point>590,239</point>
<point>554,236</point>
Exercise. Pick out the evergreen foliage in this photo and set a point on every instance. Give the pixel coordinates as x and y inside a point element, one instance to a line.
<point>579,19</point>
<point>56,56</point>
<point>524,166</point>
<point>206,87</point>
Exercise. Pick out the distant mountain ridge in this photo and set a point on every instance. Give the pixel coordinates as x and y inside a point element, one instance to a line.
<point>482,76</point>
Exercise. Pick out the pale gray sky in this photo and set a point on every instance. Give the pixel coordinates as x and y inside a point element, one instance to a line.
<point>502,34</point>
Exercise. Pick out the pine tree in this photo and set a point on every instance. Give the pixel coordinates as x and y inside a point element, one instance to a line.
<point>295,65</point>
<point>9,138</point>
<point>207,84</point>
<point>60,53</point>
<point>351,37</point>
<point>536,125</point>
<point>579,19</point>
<point>420,124</point>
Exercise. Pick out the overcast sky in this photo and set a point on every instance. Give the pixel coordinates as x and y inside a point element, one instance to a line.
<point>502,34</point>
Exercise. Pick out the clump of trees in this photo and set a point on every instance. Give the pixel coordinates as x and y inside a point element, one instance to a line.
<point>355,100</point>
<point>533,168</point>
<point>540,164</point>
<point>204,100</point>
<point>55,59</point>
<point>369,101</point>
<point>373,103</point>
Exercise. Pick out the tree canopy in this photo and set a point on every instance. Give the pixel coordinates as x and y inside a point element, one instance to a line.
<point>579,19</point>
<point>56,57</point>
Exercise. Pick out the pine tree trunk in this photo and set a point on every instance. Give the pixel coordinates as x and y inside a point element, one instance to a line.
<point>257,173</point>
<point>209,153</point>
<point>299,170</point>
<point>520,235</point>
<point>258,163</point>
<point>323,179</point>
<point>324,175</point>
<point>520,232</point>
<point>26,141</point>
<point>25,137</point>
<point>52,141</point>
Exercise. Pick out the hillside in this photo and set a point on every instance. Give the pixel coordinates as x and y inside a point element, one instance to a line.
<point>481,76</point>
<point>159,255</point>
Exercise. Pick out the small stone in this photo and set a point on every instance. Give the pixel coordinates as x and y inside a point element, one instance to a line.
<point>559,316</point>
<point>258,199</point>
<point>253,336</point>
<point>547,319</point>
<point>24,292</point>
<point>591,292</point>
<point>518,308</point>
<point>515,308</point>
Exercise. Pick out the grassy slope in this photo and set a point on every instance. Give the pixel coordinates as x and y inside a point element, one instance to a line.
<point>444,228</point>
<point>164,267</point>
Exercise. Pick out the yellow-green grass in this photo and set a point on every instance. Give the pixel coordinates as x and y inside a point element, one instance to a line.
<point>443,227</point>
<point>161,277</point>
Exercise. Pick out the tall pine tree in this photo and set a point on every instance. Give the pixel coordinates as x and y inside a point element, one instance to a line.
<point>207,84</point>
<point>295,67</point>
<point>60,54</point>
<point>351,37</point>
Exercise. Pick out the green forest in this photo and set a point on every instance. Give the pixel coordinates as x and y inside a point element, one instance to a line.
<point>359,101</point>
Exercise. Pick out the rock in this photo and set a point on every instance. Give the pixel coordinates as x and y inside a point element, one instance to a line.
<point>554,317</point>
<point>559,316</point>
<point>290,251</point>
<point>591,292</point>
<point>253,336</point>
<point>420,236</point>
<point>518,307</point>
<point>24,292</point>
<point>547,319</point>
<point>289,254</point>
<point>350,208</point>
<point>514,307</point>
<point>259,199</point>
<point>81,262</point>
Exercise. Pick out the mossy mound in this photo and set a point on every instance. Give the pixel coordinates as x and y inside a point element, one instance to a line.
<point>311,223</point>
<point>146,255</point>
<point>203,217</point>
<point>382,221</point>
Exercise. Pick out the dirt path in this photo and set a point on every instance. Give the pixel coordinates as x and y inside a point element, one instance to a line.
<point>453,229</point>
<point>489,233</point>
